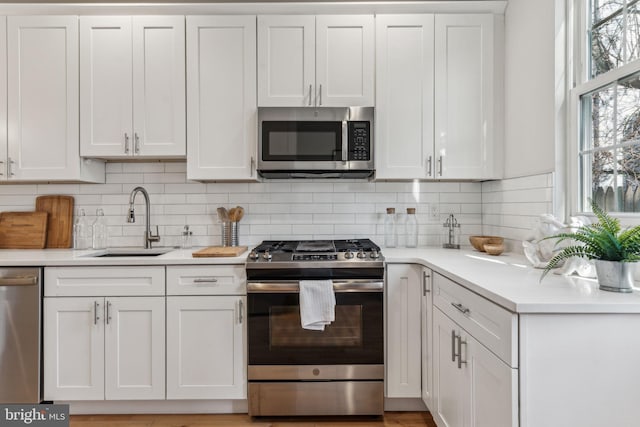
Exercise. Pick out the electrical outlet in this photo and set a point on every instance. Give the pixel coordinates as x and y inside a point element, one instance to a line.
<point>434,212</point>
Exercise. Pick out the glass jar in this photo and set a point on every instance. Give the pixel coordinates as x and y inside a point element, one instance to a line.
<point>186,238</point>
<point>411,228</point>
<point>81,231</point>
<point>99,229</point>
<point>390,229</point>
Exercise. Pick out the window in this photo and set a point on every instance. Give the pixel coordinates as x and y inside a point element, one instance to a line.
<point>609,107</point>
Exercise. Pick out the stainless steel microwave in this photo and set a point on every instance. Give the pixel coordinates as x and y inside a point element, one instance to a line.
<point>315,142</point>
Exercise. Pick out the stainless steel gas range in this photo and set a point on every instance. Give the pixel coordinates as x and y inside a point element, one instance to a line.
<point>296,371</point>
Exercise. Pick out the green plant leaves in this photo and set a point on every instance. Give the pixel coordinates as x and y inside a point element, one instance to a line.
<point>603,240</point>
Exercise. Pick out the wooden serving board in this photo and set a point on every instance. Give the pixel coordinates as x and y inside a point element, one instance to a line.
<point>219,251</point>
<point>60,222</point>
<point>23,230</point>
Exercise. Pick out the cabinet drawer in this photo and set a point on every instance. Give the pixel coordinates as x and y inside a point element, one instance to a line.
<point>492,325</point>
<point>206,280</point>
<point>103,281</point>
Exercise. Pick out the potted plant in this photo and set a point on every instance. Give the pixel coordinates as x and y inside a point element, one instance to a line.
<point>613,250</point>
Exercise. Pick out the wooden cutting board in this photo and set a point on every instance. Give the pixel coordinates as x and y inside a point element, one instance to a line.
<point>23,230</point>
<point>219,251</point>
<point>60,222</point>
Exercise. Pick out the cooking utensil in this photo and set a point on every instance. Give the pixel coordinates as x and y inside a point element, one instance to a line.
<point>220,251</point>
<point>232,214</point>
<point>60,219</point>
<point>223,215</point>
<point>23,230</point>
<point>239,213</point>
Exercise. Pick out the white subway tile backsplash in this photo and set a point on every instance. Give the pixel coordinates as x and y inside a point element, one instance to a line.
<point>510,208</point>
<point>319,209</point>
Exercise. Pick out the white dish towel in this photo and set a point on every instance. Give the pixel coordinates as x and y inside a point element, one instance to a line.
<point>317,304</point>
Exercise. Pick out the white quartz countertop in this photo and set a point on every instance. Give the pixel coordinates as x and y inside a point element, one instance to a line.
<point>71,257</point>
<point>508,279</point>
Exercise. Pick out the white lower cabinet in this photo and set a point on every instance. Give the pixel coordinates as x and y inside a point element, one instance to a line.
<point>99,348</point>
<point>427,336</point>
<point>205,347</point>
<point>403,363</point>
<point>206,332</point>
<point>104,335</point>
<point>475,359</point>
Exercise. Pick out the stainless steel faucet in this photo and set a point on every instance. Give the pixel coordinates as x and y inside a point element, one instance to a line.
<point>148,236</point>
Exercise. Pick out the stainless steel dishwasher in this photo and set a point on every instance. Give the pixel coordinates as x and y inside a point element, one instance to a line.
<point>20,334</point>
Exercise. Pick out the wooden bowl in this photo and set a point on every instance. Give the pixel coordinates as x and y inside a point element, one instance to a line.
<point>478,242</point>
<point>493,248</point>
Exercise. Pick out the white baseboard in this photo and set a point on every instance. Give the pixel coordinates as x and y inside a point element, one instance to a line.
<point>158,407</point>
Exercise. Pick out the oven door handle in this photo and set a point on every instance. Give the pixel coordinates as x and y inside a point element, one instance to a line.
<point>294,287</point>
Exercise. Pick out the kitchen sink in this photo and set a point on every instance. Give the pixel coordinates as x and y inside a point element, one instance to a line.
<point>130,252</point>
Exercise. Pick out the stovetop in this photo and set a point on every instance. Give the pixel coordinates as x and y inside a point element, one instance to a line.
<point>300,254</point>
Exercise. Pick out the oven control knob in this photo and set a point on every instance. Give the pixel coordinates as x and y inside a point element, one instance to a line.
<point>348,254</point>
<point>375,254</point>
<point>361,254</point>
<point>254,255</point>
<point>266,255</point>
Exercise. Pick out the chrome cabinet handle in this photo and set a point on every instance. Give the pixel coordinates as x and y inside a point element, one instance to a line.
<point>453,346</point>
<point>108,316</point>
<point>461,308</point>
<point>240,311</point>
<point>460,343</point>
<point>10,163</point>
<point>425,276</point>
<point>429,161</point>
<point>252,166</point>
<point>126,143</point>
<point>205,280</point>
<point>137,143</point>
<point>320,92</point>
<point>310,86</point>
<point>440,165</point>
<point>95,312</point>
<point>1,163</point>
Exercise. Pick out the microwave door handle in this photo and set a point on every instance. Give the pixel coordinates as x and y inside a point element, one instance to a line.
<point>345,142</point>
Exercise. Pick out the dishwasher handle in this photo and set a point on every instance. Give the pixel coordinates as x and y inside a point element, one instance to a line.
<point>29,280</point>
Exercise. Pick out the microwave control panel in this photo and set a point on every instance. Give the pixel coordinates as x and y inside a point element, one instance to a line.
<point>359,141</point>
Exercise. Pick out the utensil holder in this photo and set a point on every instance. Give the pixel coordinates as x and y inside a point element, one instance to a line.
<point>229,233</point>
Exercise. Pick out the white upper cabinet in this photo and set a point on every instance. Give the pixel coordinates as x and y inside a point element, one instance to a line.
<point>42,141</point>
<point>221,88</point>
<point>309,61</point>
<point>132,86</point>
<point>465,136</point>
<point>286,60</point>
<point>404,96</point>
<point>437,97</point>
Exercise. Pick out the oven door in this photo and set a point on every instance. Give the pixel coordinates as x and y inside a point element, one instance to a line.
<point>276,336</point>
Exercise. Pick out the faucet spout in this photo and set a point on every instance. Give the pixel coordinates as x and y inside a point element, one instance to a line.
<point>149,237</point>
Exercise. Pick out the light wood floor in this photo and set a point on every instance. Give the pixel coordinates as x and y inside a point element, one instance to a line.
<point>395,419</point>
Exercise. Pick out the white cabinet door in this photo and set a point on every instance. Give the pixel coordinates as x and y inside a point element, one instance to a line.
<point>42,97</point>
<point>73,349</point>
<point>404,92</point>
<point>403,300</point>
<point>427,337</point>
<point>345,60</point>
<point>206,347</point>
<point>106,98</point>
<point>3,95</point>
<point>450,391</point>
<point>464,96</point>
<point>286,61</point>
<point>494,387</point>
<point>159,120</point>
<point>221,92</point>
<point>134,348</point>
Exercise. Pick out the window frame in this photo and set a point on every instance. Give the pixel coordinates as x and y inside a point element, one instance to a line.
<point>579,62</point>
